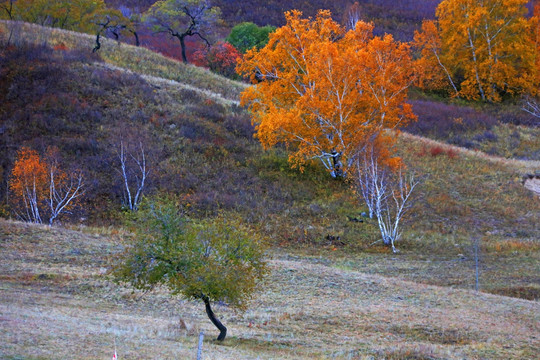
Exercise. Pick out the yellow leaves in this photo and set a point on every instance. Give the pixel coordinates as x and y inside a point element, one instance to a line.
<point>534,23</point>
<point>428,66</point>
<point>322,89</point>
<point>58,13</point>
<point>487,43</point>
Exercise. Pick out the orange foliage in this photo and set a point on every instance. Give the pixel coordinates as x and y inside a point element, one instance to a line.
<point>488,43</point>
<point>323,90</point>
<point>535,24</point>
<point>28,184</point>
<point>29,174</point>
<point>41,188</point>
<point>432,73</point>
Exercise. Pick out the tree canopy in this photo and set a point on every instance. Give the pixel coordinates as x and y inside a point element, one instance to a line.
<point>183,18</point>
<point>247,35</point>
<point>64,14</point>
<point>210,260</point>
<point>484,49</point>
<point>325,91</point>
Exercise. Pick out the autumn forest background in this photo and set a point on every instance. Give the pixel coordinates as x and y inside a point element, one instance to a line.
<point>220,117</point>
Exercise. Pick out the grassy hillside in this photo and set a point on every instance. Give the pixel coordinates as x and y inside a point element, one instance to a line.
<point>334,291</point>
<point>503,130</point>
<point>201,149</point>
<point>57,302</point>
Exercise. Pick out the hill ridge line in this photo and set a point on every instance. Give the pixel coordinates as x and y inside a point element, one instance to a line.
<point>159,80</point>
<point>519,165</point>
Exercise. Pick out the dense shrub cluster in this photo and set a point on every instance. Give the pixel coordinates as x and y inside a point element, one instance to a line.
<point>448,122</point>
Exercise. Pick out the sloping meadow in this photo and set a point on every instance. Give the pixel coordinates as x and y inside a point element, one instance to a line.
<point>201,151</point>
<point>57,301</point>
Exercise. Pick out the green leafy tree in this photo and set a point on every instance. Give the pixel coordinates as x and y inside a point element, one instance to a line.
<point>211,260</point>
<point>247,35</point>
<point>183,18</point>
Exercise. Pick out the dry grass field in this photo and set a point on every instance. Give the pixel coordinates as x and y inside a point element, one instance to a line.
<point>56,302</point>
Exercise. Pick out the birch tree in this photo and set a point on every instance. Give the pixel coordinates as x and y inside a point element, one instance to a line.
<point>28,185</point>
<point>387,193</point>
<point>486,44</point>
<point>531,106</point>
<point>323,90</point>
<point>65,189</point>
<point>352,15</point>
<point>134,171</point>
<point>433,73</point>
<point>42,191</point>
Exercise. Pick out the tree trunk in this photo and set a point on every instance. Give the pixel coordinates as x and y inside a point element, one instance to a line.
<point>98,44</point>
<point>137,42</point>
<point>215,321</point>
<point>183,46</point>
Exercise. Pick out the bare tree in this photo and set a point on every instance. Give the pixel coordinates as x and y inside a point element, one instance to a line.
<point>134,179</point>
<point>386,194</point>
<point>31,203</point>
<point>63,192</point>
<point>366,176</point>
<point>352,15</point>
<point>531,106</point>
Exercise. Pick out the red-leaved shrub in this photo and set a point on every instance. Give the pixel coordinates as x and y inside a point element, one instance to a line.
<point>61,47</point>
<point>436,151</point>
<point>221,58</point>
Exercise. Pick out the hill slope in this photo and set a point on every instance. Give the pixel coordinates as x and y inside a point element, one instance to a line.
<point>200,147</point>
<point>56,302</point>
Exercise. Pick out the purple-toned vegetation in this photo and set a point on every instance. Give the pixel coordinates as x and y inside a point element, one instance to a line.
<point>448,122</point>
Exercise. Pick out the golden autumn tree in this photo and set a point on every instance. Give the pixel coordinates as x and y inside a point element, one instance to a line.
<point>324,91</point>
<point>432,73</point>
<point>485,47</point>
<point>40,189</point>
<point>535,31</point>
<point>28,185</point>
<point>531,103</point>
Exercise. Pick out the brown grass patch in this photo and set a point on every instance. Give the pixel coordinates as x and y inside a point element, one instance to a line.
<point>531,292</point>
<point>59,298</point>
<point>436,335</point>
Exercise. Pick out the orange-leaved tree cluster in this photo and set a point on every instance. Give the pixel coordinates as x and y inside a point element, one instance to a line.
<point>28,185</point>
<point>535,24</point>
<point>41,190</point>
<point>326,92</point>
<point>478,50</point>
